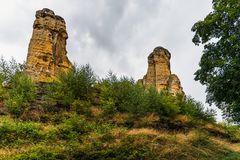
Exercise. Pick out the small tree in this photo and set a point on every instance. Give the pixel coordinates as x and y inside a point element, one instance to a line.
<point>77,83</point>
<point>161,103</point>
<point>121,94</point>
<point>21,93</point>
<point>9,68</point>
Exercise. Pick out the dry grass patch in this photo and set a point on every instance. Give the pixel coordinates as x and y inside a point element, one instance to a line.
<point>120,118</point>
<point>145,131</point>
<point>183,119</point>
<point>232,146</point>
<point>150,118</point>
<point>96,111</point>
<point>181,137</point>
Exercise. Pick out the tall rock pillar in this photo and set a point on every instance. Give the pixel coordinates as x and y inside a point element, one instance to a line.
<point>47,53</point>
<point>159,73</point>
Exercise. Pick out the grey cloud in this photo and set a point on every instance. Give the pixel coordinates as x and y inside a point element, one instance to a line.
<point>111,25</point>
<point>115,34</point>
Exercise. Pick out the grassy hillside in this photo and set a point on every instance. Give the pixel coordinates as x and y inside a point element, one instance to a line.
<point>80,116</point>
<point>67,135</point>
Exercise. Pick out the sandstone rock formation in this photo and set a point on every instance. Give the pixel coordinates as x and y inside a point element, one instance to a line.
<point>159,72</point>
<point>47,52</point>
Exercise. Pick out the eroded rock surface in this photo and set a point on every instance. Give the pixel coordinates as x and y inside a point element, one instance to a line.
<point>159,73</point>
<point>47,52</point>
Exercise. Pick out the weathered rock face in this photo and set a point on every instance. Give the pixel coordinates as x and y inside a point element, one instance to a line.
<point>159,72</point>
<point>47,52</point>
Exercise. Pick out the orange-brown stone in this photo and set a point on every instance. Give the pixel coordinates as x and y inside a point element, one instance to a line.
<point>159,73</point>
<point>47,53</point>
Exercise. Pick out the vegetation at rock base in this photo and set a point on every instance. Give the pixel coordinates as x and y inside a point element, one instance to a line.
<point>219,32</point>
<point>83,117</point>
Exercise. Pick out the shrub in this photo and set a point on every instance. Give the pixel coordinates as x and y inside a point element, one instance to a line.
<point>3,90</point>
<point>16,105</point>
<point>75,84</point>
<point>124,95</point>
<point>80,107</point>
<point>201,140</point>
<point>72,127</point>
<point>135,100</point>
<point>19,133</point>
<point>193,108</point>
<point>21,93</point>
<point>233,133</point>
<point>109,106</point>
<point>128,149</point>
<point>9,68</point>
<point>40,153</point>
<point>121,94</point>
<point>162,103</point>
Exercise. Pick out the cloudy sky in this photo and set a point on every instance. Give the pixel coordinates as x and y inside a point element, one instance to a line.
<point>114,34</point>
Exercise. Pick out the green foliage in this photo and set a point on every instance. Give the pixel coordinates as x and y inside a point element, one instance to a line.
<point>121,95</point>
<point>9,68</point>
<point>40,153</point>
<point>128,149</point>
<point>22,92</point>
<point>75,84</point>
<point>219,66</point>
<point>77,90</point>
<point>161,103</point>
<point>19,133</point>
<point>80,107</point>
<point>72,127</point>
<point>16,105</point>
<point>195,109</point>
<point>201,140</point>
<point>3,90</point>
<point>233,133</point>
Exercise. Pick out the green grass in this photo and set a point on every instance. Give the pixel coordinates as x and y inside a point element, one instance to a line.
<point>81,137</point>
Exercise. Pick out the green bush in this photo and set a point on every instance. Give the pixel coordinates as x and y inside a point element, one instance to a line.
<point>9,68</point>
<point>40,153</point>
<point>124,95</point>
<point>21,93</point>
<point>121,94</point>
<point>161,103</point>
<point>3,90</point>
<point>191,107</point>
<point>69,86</point>
<point>72,127</point>
<point>109,106</point>
<point>201,140</point>
<point>80,107</point>
<point>16,105</point>
<point>128,149</point>
<point>135,100</point>
<point>12,133</point>
<point>233,133</point>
